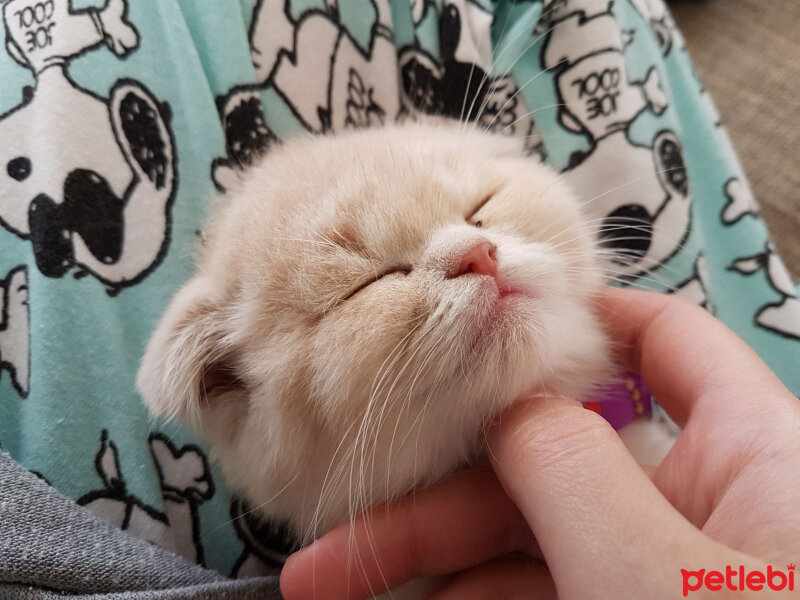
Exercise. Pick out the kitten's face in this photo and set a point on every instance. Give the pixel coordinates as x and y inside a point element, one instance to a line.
<point>366,303</point>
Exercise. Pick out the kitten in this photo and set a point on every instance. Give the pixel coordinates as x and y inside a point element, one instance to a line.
<point>365,303</point>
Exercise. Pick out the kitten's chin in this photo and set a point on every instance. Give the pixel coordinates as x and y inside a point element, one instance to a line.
<point>533,347</point>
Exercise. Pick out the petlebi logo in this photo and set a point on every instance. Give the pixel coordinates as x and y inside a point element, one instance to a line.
<point>739,579</point>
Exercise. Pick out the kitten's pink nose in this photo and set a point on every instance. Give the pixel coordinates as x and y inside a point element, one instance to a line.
<point>480,258</point>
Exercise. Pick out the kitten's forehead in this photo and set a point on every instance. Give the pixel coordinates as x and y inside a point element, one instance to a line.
<point>392,189</point>
<point>375,196</point>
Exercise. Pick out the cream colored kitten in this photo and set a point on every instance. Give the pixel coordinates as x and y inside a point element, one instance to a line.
<point>364,305</point>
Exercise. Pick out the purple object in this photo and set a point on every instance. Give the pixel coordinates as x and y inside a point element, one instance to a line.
<point>622,401</point>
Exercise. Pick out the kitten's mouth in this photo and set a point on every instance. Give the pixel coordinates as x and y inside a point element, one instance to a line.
<point>504,301</point>
<point>504,305</point>
<point>506,290</point>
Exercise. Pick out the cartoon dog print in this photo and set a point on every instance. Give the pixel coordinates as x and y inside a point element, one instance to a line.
<point>660,22</point>
<point>329,78</point>
<point>460,85</point>
<point>356,84</point>
<point>740,201</point>
<point>186,482</point>
<point>266,545</point>
<point>247,136</point>
<point>644,201</point>
<point>15,329</point>
<point>418,9</point>
<point>556,11</point>
<point>695,288</point>
<point>87,180</point>
<point>781,317</point>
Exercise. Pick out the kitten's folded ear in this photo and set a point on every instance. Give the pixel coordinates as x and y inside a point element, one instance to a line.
<point>188,368</point>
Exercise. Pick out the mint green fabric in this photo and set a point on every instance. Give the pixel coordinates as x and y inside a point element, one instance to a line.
<point>119,120</point>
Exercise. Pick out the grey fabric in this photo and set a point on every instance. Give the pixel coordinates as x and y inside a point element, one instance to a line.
<point>50,546</point>
<point>245,589</point>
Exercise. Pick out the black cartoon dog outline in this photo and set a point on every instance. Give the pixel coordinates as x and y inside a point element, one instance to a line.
<point>739,201</point>
<point>267,545</point>
<point>328,79</point>
<point>185,478</point>
<point>102,208</point>
<point>781,317</point>
<point>15,345</point>
<point>695,287</point>
<point>661,23</point>
<point>459,85</point>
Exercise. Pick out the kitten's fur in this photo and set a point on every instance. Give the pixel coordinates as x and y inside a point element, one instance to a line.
<point>318,406</point>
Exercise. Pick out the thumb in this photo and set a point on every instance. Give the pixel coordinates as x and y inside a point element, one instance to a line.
<point>600,522</point>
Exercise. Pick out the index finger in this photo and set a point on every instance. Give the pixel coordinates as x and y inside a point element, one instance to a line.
<point>682,352</point>
<point>453,525</point>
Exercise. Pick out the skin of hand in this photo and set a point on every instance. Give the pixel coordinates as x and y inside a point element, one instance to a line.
<point>566,512</point>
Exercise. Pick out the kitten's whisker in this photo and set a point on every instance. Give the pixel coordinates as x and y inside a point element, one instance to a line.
<point>619,221</point>
<point>621,256</point>
<point>523,116</point>
<point>511,98</point>
<point>595,233</point>
<point>421,415</point>
<point>464,101</point>
<point>295,239</point>
<point>323,494</point>
<point>612,276</point>
<point>626,278</point>
<point>384,412</point>
<point>489,73</point>
<point>260,506</point>
<point>373,398</point>
<point>627,183</point>
<point>406,402</point>
<point>366,502</point>
<point>510,68</point>
<point>327,491</point>
<point>597,236</point>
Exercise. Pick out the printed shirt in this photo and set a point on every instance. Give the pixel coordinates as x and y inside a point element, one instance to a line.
<point>119,120</point>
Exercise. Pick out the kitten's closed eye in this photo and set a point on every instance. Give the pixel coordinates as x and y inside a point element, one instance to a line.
<point>396,270</point>
<point>477,209</point>
<point>406,269</point>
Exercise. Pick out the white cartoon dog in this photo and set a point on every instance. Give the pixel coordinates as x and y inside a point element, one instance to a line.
<point>643,202</point>
<point>329,79</point>
<point>782,316</point>
<point>15,329</point>
<point>186,482</point>
<point>87,180</point>
<point>460,84</point>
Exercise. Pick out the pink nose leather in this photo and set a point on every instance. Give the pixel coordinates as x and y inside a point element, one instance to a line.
<point>481,259</point>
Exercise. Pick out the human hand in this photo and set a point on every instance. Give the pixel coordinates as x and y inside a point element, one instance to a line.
<point>567,491</point>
